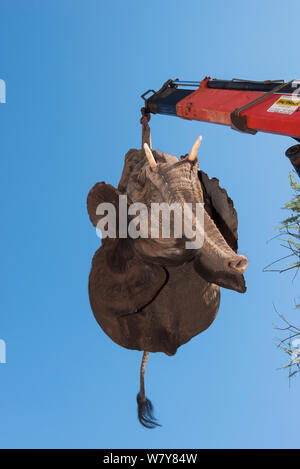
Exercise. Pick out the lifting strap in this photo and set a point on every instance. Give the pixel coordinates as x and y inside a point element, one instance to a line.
<point>239,122</point>
<point>146,135</point>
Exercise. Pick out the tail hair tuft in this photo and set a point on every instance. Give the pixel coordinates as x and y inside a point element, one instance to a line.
<point>145,412</point>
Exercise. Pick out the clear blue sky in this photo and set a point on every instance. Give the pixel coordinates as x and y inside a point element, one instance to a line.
<point>75,71</point>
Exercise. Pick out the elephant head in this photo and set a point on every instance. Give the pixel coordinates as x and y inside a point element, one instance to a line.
<point>155,293</point>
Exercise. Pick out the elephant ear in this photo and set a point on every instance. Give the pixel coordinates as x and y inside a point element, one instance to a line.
<point>101,193</point>
<point>220,207</point>
<point>120,283</point>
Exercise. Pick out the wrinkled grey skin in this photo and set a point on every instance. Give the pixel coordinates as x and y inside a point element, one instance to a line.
<point>154,294</point>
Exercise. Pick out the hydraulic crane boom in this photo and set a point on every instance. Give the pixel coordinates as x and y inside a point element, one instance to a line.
<point>246,106</point>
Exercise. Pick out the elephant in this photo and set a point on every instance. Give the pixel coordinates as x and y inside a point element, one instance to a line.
<point>155,294</point>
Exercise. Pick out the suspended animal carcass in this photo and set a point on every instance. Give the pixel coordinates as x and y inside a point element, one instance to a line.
<point>155,293</point>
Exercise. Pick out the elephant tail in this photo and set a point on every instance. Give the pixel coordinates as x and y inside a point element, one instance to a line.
<point>145,407</point>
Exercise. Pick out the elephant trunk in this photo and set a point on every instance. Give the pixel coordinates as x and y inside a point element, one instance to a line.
<point>214,249</point>
<point>217,250</point>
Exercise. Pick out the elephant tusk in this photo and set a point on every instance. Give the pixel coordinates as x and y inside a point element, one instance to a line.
<point>150,157</point>
<point>194,150</point>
